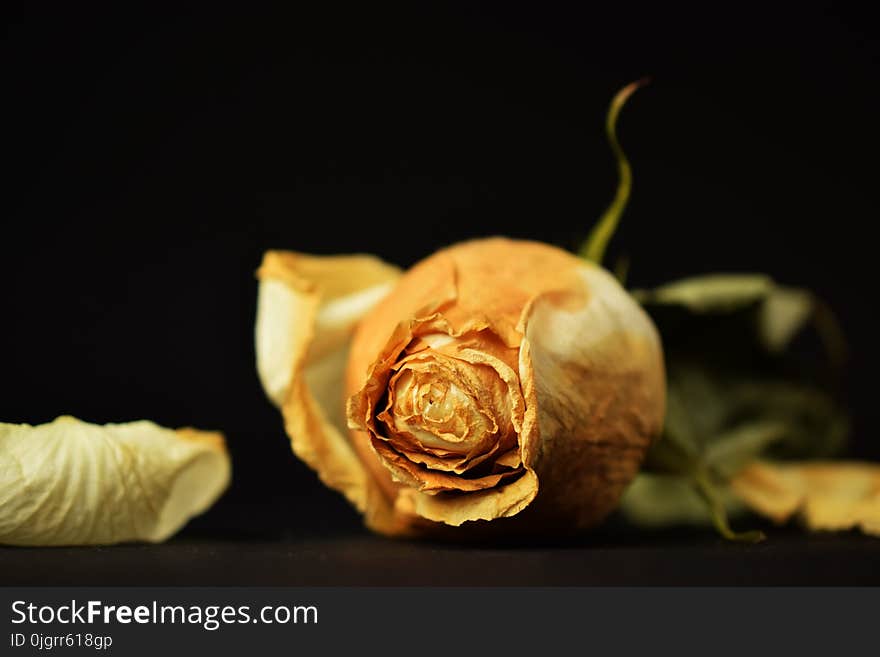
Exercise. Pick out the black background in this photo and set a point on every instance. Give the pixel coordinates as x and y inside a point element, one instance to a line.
<point>155,156</point>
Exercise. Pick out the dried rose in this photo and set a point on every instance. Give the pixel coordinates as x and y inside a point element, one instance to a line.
<point>496,378</point>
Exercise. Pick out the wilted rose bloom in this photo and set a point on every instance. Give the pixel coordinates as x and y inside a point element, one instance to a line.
<point>497,379</point>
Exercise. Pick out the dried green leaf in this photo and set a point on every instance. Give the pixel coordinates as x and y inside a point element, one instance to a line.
<point>734,393</point>
<point>663,500</point>
<point>784,313</point>
<point>712,293</point>
<point>733,450</point>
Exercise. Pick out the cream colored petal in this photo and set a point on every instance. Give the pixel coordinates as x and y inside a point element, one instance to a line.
<point>74,483</point>
<point>598,377</point>
<point>828,495</point>
<point>308,308</point>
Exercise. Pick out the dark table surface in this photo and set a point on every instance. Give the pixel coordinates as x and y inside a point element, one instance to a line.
<point>316,554</point>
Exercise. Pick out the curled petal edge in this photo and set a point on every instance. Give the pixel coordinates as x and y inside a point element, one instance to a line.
<point>308,307</point>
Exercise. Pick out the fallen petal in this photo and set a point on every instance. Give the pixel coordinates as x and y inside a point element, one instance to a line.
<point>827,495</point>
<point>69,482</point>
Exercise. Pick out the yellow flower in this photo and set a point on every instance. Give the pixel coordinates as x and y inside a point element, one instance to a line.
<point>496,378</point>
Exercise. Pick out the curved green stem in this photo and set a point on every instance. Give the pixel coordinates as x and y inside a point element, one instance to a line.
<point>706,489</point>
<point>594,246</point>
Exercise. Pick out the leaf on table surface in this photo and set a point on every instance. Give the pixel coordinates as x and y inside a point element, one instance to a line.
<point>663,500</point>
<point>733,395</point>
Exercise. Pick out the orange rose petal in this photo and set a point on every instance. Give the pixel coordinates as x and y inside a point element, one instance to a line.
<point>452,509</point>
<point>455,361</point>
<point>432,481</point>
<point>827,495</point>
<point>509,460</point>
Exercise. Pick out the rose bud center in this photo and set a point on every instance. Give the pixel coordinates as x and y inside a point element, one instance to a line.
<point>452,405</point>
<point>439,413</point>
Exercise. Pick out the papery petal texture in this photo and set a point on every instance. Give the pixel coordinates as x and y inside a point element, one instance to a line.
<point>827,495</point>
<point>307,309</point>
<point>69,482</point>
<point>499,368</point>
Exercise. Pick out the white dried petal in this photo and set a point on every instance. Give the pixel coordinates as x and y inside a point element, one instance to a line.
<point>70,482</point>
